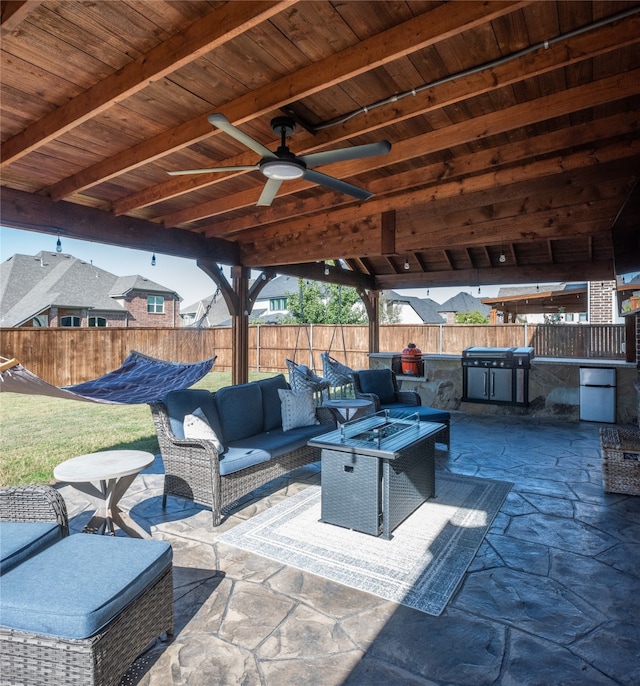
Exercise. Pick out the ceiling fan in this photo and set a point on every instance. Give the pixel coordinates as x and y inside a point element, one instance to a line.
<point>283,165</point>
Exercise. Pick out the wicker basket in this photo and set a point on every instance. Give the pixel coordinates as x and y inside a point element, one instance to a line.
<point>620,460</point>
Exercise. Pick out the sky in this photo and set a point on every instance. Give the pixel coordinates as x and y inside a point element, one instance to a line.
<point>181,275</point>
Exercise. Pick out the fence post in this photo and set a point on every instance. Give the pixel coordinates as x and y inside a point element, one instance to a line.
<point>440,330</point>
<point>526,332</point>
<point>257,347</point>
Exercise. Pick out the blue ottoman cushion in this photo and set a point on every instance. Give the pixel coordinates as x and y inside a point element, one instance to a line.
<point>43,595</point>
<point>20,540</point>
<point>427,414</point>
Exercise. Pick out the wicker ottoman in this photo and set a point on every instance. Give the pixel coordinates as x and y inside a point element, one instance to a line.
<point>621,460</point>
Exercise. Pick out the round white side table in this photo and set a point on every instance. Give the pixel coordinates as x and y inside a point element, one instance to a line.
<point>104,478</point>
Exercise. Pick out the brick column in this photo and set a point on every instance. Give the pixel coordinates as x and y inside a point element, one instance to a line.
<point>601,302</point>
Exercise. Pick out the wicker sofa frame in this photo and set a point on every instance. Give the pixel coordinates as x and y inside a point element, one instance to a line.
<point>192,467</point>
<point>100,660</point>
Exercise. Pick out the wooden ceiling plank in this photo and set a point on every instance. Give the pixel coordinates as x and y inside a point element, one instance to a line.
<point>514,117</point>
<point>557,56</point>
<point>203,36</point>
<point>398,41</point>
<point>441,174</point>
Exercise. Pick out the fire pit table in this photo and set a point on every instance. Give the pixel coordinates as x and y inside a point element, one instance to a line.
<point>376,471</point>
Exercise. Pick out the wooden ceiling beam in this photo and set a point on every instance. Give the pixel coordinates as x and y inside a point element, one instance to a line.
<point>573,50</point>
<point>422,31</point>
<point>571,271</point>
<point>31,212</point>
<point>344,240</point>
<point>14,12</point>
<point>218,27</point>
<point>573,187</point>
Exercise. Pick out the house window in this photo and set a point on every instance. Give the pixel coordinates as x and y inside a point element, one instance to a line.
<point>97,321</point>
<point>277,304</point>
<point>69,321</point>
<point>155,304</point>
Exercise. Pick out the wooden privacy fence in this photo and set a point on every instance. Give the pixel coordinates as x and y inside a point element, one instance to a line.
<point>66,356</point>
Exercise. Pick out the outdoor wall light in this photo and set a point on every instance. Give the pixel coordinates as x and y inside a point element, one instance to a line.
<point>326,269</point>
<point>503,257</point>
<point>58,245</point>
<point>406,263</point>
<point>153,260</point>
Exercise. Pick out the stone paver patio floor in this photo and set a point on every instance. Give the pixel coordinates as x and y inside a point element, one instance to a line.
<point>552,597</point>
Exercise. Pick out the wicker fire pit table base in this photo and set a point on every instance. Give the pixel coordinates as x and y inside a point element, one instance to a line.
<point>376,471</point>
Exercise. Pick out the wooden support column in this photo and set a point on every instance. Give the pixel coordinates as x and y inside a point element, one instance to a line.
<point>371,300</point>
<point>240,326</point>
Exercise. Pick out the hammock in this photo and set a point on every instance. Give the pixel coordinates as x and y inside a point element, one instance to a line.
<point>140,379</point>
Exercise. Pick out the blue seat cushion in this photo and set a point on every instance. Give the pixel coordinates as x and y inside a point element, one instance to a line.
<point>240,411</point>
<point>20,540</point>
<point>74,588</point>
<point>427,414</point>
<point>271,444</point>
<point>181,403</point>
<point>271,408</point>
<point>379,382</point>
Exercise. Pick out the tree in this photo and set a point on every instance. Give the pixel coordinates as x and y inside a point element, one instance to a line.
<point>388,312</point>
<point>317,303</point>
<point>475,317</point>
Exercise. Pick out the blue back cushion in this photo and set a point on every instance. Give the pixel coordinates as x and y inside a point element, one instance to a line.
<point>20,540</point>
<point>271,408</point>
<point>380,382</point>
<point>181,403</point>
<point>240,411</point>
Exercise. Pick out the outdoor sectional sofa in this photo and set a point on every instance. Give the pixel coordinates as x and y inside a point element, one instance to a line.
<point>254,433</point>
<point>75,609</point>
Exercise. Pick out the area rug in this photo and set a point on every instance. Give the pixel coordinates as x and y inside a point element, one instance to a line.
<point>421,566</point>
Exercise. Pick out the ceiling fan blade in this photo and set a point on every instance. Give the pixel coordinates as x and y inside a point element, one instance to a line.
<point>269,192</point>
<point>357,152</point>
<point>336,184</point>
<point>221,122</point>
<point>213,169</point>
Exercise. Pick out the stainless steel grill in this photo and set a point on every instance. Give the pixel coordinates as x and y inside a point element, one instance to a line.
<point>496,375</point>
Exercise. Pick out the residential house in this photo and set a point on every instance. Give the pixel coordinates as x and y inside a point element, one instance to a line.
<point>462,302</point>
<point>56,289</point>
<point>591,302</point>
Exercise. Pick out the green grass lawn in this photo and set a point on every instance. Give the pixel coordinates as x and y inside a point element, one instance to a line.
<point>37,432</point>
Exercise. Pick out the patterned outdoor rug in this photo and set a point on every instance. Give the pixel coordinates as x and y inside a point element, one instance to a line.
<point>421,566</point>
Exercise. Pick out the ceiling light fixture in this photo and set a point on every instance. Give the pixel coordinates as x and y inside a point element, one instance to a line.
<point>153,260</point>
<point>283,170</point>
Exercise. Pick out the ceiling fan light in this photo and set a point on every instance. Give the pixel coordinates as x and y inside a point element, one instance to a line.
<point>281,170</point>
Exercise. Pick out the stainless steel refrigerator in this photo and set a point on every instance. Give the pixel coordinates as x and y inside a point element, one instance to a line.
<point>598,394</point>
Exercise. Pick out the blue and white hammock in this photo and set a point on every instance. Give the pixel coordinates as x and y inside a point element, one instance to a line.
<point>140,379</point>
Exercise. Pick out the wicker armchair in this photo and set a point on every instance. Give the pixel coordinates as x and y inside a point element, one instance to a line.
<point>381,387</point>
<point>33,504</point>
<point>41,659</point>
